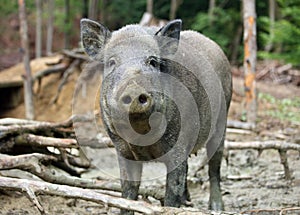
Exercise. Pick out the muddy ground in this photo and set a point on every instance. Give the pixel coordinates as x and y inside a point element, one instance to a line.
<point>249,181</point>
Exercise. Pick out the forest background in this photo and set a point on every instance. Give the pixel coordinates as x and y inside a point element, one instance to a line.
<point>278,23</point>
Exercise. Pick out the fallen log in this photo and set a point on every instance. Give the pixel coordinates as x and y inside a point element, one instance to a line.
<point>39,187</point>
<point>37,126</point>
<point>35,140</point>
<point>240,125</point>
<point>262,145</point>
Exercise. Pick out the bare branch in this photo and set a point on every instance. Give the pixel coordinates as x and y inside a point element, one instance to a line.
<point>34,199</point>
<point>258,145</point>
<point>75,55</point>
<point>35,140</point>
<point>66,75</point>
<point>241,125</point>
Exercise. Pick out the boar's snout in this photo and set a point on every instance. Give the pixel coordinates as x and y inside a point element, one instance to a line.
<point>135,100</point>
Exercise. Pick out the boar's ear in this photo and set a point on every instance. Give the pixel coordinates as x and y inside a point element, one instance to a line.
<point>171,30</point>
<point>93,37</point>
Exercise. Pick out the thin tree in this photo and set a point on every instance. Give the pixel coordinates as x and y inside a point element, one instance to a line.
<point>67,28</point>
<point>103,9</point>
<point>250,53</point>
<point>150,6</point>
<point>174,6</point>
<point>85,9</point>
<point>38,37</point>
<point>211,8</point>
<point>93,9</point>
<point>28,94</point>
<point>51,6</point>
<point>272,12</point>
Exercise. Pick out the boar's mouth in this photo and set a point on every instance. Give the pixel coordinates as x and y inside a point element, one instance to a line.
<point>140,122</point>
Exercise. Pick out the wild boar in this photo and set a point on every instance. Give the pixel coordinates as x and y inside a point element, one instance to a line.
<point>165,94</point>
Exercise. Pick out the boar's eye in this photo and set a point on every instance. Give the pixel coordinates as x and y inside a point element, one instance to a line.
<point>111,62</point>
<point>153,61</point>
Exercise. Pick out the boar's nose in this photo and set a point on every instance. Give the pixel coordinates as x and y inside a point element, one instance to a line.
<point>142,99</point>
<point>135,100</point>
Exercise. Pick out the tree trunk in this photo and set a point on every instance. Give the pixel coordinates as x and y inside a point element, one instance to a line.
<point>38,37</point>
<point>93,9</point>
<point>173,9</point>
<point>85,9</point>
<point>272,12</point>
<point>250,49</point>
<point>174,6</point>
<point>50,26</point>
<point>28,95</point>
<point>236,44</point>
<point>212,5</point>
<point>102,11</point>
<point>150,6</point>
<point>67,29</point>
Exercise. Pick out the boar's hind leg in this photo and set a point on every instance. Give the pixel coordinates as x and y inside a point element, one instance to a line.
<point>176,186</point>
<point>215,198</point>
<point>130,173</point>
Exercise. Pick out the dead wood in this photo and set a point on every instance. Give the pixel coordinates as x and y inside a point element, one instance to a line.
<point>35,140</point>
<point>64,80</point>
<point>238,131</point>
<point>27,162</point>
<point>14,121</point>
<point>53,69</point>
<point>38,187</point>
<point>281,146</point>
<point>76,54</point>
<point>34,199</point>
<point>75,192</point>
<point>34,163</point>
<point>262,145</point>
<point>284,162</point>
<point>284,68</point>
<point>240,125</point>
<point>39,126</point>
<point>279,211</point>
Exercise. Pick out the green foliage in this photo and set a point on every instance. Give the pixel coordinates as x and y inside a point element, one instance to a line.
<point>286,33</point>
<point>8,7</point>
<point>283,109</point>
<point>221,28</point>
<point>120,12</point>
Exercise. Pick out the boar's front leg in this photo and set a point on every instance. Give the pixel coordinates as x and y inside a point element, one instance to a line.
<point>130,173</point>
<point>176,186</point>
